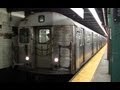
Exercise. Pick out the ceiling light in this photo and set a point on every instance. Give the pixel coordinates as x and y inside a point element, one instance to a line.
<point>79,11</point>
<point>95,15</point>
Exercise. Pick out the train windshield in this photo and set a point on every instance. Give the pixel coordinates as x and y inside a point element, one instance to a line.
<point>44,35</point>
<point>24,35</point>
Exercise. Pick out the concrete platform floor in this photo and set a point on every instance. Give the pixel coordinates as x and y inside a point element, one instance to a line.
<point>101,74</point>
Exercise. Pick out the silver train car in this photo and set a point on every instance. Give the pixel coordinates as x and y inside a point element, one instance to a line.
<point>51,43</point>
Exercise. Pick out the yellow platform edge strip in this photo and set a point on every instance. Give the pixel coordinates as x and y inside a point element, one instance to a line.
<point>86,74</point>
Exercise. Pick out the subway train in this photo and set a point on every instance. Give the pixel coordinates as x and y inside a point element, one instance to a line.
<point>52,43</point>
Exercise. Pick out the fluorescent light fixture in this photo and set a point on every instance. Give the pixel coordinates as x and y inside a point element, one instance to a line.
<point>104,16</point>
<point>18,14</point>
<point>79,11</point>
<point>95,15</point>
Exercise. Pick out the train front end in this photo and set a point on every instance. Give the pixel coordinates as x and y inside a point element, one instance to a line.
<point>46,44</point>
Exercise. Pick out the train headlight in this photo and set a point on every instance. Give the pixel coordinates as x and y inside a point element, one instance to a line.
<point>56,60</point>
<point>27,58</point>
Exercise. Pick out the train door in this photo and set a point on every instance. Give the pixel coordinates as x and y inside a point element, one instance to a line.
<point>43,54</point>
<point>15,44</point>
<point>88,46</point>
<point>100,42</point>
<point>83,45</point>
<point>96,42</point>
<point>79,47</point>
<point>92,44</point>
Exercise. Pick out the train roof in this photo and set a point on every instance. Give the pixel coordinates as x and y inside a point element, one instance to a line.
<point>51,18</point>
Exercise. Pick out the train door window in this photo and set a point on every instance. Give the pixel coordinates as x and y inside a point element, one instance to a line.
<point>80,35</point>
<point>88,37</point>
<point>82,38</point>
<point>96,37</point>
<point>24,35</point>
<point>44,35</point>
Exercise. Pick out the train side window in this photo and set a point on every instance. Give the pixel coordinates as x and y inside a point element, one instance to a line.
<point>88,37</point>
<point>44,35</point>
<point>80,38</point>
<point>24,35</point>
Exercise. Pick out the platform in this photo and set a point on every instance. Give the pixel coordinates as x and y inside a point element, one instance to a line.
<point>92,72</point>
<point>101,74</point>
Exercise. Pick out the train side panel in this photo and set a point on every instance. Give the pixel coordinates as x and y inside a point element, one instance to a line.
<point>62,45</point>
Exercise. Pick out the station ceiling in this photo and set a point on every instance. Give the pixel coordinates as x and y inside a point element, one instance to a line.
<point>88,20</point>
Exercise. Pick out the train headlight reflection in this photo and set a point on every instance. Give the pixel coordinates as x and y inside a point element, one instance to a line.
<point>27,58</point>
<point>56,60</point>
